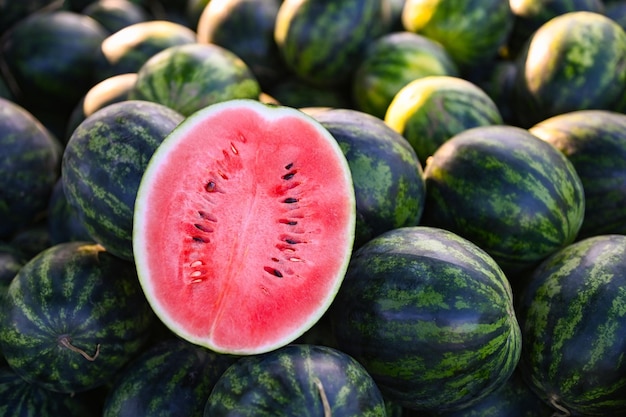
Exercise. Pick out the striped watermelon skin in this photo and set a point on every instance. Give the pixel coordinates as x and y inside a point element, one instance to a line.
<point>29,167</point>
<point>102,166</point>
<point>514,195</point>
<point>189,77</point>
<point>321,41</point>
<point>392,61</point>
<point>586,68</point>
<point>73,292</point>
<point>595,142</point>
<point>23,399</point>
<point>181,373</point>
<point>386,172</point>
<point>296,380</point>
<point>430,110</point>
<point>430,316</point>
<point>472,31</point>
<point>574,328</point>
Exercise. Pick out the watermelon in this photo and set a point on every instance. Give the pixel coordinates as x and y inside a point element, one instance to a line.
<point>171,378</point>
<point>103,163</point>
<point>531,14</point>
<point>430,316</point>
<point>232,243</point>
<point>21,398</point>
<point>616,10</point>
<point>575,61</point>
<point>513,398</point>
<point>11,261</point>
<point>296,380</point>
<point>391,62</point>
<point>574,328</point>
<point>387,175</point>
<point>72,317</point>
<point>109,91</point>
<point>471,31</point>
<point>63,224</point>
<point>321,41</point>
<point>514,195</point>
<point>115,15</point>
<point>246,28</point>
<point>129,48</point>
<point>13,11</point>
<point>430,110</point>
<point>29,167</point>
<point>189,77</point>
<point>292,91</point>
<point>595,142</point>
<point>49,57</point>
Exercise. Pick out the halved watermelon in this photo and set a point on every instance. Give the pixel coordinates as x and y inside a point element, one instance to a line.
<point>244,226</point>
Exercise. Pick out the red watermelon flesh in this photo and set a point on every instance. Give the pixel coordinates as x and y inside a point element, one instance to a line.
<point>244,225</point>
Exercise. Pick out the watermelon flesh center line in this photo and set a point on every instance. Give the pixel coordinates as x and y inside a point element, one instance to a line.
<point>247,241</point>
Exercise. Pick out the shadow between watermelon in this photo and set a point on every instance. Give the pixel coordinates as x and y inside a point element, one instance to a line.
<point>244,226</point>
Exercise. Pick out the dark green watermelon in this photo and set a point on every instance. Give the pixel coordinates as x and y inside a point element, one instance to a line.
<point>170,379</point>
<point>129,48</point>
<point>29,167</point>
<point>531,14</point>
<point>584,69</point>
<point>513,398</point>
<point>430,110</point>
<point>595,142</point>
<point>63,223</point>
<point>430,316</point>
<point>13,11</point>
<point>472,31</point>
<point>391,62</point>
<point>48,60</point>
<point>296,381</point>
<point>72,317</point>
<point>115,15</point>
<point>103,163</point>
<point>514,195</point>
<point>246,28</point>
<point>112,90</point>
<point>188,77</point>
<point>573,324</point>
<point>386,172</point>
<point>321,41</point>
<point>22,399</point>
<point>11,261</point>
<point>295,92</point>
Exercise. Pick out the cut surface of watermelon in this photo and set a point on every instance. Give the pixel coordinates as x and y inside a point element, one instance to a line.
<point>243,226</point>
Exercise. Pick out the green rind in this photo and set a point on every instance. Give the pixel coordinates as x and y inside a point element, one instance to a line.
<point>595,142</point>
<point>321,41</point>
<point>103,163</point>
<point>116,15</point>
<point>387,175</point>
<point>430,110</point>
<point>245,28</point>
<point>430,316</point>
<point>531,14</point>
<point>126,50</point>
<point>514,195</point>
<point>77,290</point>
<point>20,398</point>
<point>48,58</point>
<point>171,378</point>
<point>29,167</point>
<point>585,69</point>
<point>472,31</point>
<point>391,62</point>
<point>188,77</point>
<point>573,318</point>
<point>292,381</point>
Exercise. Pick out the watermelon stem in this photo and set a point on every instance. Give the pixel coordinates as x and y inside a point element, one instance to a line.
<point>561,410</point>
<point>66,342</point>
<point>325,403</point>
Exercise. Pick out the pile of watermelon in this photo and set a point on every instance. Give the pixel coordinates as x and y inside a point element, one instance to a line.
<point>313,208</point>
